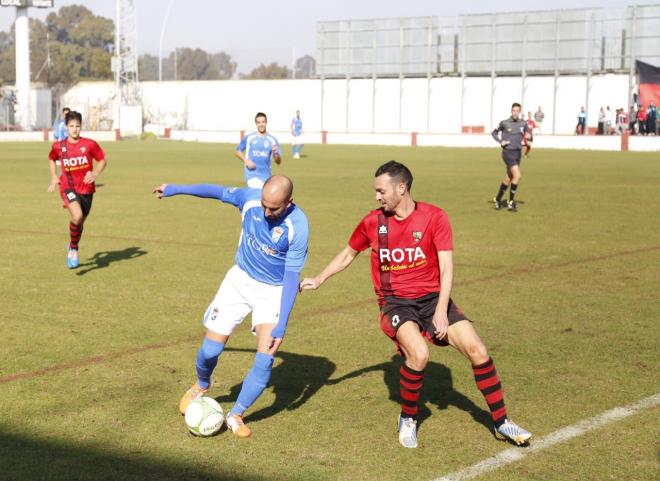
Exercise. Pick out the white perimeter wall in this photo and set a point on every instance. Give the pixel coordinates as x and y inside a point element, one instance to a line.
<point>357,105</point>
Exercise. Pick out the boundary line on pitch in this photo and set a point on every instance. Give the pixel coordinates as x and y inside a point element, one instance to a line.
<point>561,435</point>
<point>149,347</point>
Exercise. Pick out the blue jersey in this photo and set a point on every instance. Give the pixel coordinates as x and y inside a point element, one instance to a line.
<point>259,149</point>
<point>266,247</point>
<point>296,126</point>
<point>59,130</point>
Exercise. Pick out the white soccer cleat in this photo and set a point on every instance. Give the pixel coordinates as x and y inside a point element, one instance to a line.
<point>512,432</point>
<point>408,432</point>
<point>72,258</point>
<point>237,426</point>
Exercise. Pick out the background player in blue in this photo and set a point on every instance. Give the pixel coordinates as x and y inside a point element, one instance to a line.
<point>296,131</point>
<point>59,127</point>
<point>256,150</point>
<point>272,251</point>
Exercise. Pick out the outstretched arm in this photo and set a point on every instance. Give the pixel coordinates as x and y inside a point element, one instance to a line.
<point>336,265</point>
<point>206,191</point>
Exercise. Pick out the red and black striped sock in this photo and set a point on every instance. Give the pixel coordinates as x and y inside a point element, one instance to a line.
<point>410,386</point>
<point>489,384</point>
<point>75,231</point>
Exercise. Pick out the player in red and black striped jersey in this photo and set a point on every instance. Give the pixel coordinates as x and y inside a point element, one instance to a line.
<point>76,182</point>
<point>412,272</point>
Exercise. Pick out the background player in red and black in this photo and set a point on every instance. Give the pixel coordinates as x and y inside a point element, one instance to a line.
<point>76,181</point>
<point>412,273</point>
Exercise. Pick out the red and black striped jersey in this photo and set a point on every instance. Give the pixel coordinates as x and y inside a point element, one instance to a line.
<point>76,162</point>
<point>404,259</point>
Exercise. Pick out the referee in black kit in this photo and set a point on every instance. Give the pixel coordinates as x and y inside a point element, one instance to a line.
<point>510,135</point>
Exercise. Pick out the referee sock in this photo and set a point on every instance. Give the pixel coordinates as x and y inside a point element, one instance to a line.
<point>410,385</point>
<point>75,232</point>
<point>501,192</point>
<point>489,384</point>
<point>512,192</point>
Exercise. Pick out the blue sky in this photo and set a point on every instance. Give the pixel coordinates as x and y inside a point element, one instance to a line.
<point>265,31</point>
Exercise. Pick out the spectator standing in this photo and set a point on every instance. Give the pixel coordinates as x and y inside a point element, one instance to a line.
<point>609,121</point>
<point>538,118</point>
<point>602,118</point>
<point>651,117</point>
<point>641,120</point>
<point>632,123</point>
<point>581,126</point>
<point>621,121</point>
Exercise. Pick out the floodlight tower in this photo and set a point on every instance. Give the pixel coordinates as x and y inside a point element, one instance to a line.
<point>22,29</point>
<point>125,61</point>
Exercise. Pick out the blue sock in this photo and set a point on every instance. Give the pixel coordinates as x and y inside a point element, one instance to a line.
<point>207,358</point>
<point>254,384</point>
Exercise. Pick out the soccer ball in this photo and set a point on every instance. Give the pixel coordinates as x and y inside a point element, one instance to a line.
<point>204,416</point>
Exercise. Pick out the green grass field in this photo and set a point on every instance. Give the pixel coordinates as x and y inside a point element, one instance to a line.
<point>93,361</point>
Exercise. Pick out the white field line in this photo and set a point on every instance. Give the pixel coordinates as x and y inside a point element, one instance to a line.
<point>564,434</point>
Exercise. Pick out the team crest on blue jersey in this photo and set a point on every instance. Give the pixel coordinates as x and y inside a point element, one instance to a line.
<point>417,235</point>
<point>277,233</point>
<point>266,144</point>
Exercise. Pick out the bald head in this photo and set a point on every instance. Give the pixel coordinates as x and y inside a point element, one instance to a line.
<point>276,196</point>
<point>278,186</point>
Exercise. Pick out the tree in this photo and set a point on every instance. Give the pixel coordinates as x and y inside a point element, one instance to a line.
<point>77,24</point>
<point>7,57</point>
<point>272,71</point>
<point>77,43</point>
<point>305,67</point>
<point>148,67</point>
<point>191,64</point>
<point>224,64</point>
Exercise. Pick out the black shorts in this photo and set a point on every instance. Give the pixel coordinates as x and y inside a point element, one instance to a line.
<point>85,200</point>
<point>396,311</point>
<point>511,157</point>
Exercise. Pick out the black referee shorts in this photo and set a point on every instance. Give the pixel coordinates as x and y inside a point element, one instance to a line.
<point>511,157</point>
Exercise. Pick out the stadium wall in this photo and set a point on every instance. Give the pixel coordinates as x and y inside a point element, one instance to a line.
<point>358,105</point>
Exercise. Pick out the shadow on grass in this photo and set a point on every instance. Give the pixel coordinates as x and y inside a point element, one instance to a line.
<point>295,379</point>
<point>438,389</point>
<point>24,458</point>
<point>104,259</point>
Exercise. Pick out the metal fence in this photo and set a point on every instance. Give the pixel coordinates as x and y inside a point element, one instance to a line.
<point>552,42</point>
<point>381,47</point>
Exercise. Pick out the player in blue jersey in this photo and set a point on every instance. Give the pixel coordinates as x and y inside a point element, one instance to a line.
<point>256,151</point>
<point>272,251</point>
<point>296,131</point>
<point>59,127</point>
